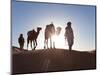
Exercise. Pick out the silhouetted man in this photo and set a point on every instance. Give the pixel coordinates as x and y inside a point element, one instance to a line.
<point>21,41</point>
<point>69,35</point>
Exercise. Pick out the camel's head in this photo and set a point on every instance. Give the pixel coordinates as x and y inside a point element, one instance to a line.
<point>39,28</point>
<point>58,30</point>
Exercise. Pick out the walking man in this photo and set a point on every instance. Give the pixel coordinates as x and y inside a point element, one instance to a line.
<point>69,35</point>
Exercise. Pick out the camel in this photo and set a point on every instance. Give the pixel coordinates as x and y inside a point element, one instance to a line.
<point>32,37</point>
<point>49,32</point>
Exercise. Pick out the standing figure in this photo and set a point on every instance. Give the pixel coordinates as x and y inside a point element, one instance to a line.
<point>21,41</point>
<point>69,35</point>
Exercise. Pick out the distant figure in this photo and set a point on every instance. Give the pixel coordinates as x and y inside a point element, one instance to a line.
<point>21,41</point>
<point>49,32</point>
<point>69,35</point>
<point>32,37</point>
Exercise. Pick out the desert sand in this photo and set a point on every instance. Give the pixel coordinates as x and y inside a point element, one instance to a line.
<point>51,60</point>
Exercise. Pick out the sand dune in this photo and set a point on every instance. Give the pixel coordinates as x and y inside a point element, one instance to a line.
<point>51,60</point>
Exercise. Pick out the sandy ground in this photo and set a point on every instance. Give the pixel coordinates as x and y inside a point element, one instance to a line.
<point>51,60</point>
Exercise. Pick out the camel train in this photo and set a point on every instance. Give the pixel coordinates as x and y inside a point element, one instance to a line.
<point>49,32</point>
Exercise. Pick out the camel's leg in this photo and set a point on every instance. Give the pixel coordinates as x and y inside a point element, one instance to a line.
<point>35,44</point>
<point>50,43</point>
<point>47,44</point>
<point>53,44</point>
<point>31,44</point>
<point>27,43</point>
<point>44,44</point>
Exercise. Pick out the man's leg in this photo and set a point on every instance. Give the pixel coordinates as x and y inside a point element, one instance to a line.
<point>70,48</point>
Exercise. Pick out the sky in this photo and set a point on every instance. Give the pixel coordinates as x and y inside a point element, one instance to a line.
<point>30,15</point>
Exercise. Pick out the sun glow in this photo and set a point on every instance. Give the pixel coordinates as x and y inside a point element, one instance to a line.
<point>59,40</point>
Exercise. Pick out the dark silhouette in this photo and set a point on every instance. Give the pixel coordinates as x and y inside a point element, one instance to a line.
<point>69,35</point>
<point>21,41</point>
<point>32,37</point>
<point>49,32</point>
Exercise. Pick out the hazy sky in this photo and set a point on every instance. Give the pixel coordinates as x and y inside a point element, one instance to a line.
<point>27,16</point>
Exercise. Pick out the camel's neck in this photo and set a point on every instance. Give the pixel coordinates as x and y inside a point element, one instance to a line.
<point>38,32</point>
